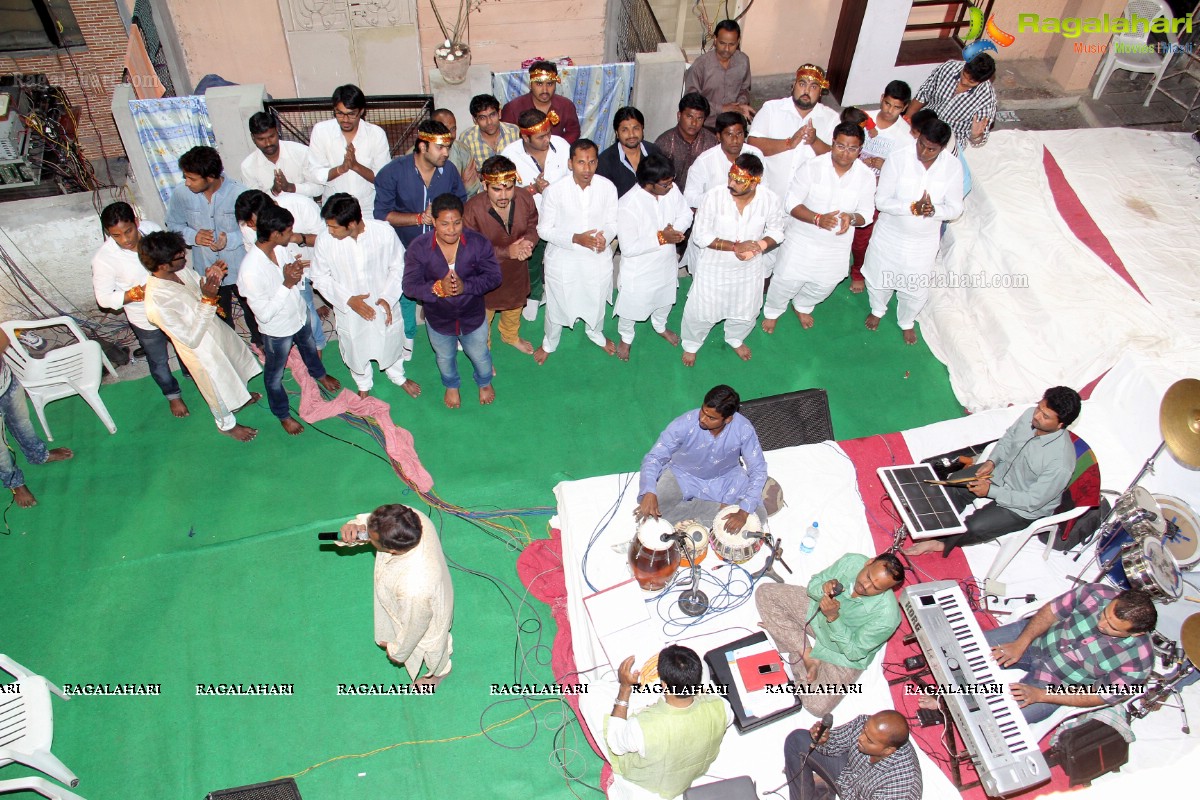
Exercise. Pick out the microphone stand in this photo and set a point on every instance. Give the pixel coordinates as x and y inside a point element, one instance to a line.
<point>693,602</point>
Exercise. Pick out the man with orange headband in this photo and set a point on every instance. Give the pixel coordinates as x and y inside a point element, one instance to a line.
<point>543,82</point>
<point>507,216</point>
<point>791,130</point>
<point>404,190</point>
<point>734,226</point>
<point>541,159</point>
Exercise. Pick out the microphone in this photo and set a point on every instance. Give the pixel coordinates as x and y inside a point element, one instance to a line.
<point>834,592</point>
<point>822,727</point>
<point>333,536</point>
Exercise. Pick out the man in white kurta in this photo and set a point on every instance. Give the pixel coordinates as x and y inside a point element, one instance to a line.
<point>652,218</point>
<point>345,153</point>
<point>358,266</point>
<point>578,221</point>
<point>710,170</point>
<point>919,188</point>
<point>734,226</point>
<point>532,174</point>
<point>219,361</point>
<point>791,130</point>
<point>276,166</point>
<point>414,598</point>
<point>830,196</point>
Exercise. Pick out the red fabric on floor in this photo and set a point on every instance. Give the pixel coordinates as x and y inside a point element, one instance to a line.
<point>540,569</point>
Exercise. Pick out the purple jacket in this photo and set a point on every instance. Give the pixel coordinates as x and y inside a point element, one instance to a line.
<point>476,266</point>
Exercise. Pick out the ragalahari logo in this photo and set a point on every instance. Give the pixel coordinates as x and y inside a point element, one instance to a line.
<point>995,36</point>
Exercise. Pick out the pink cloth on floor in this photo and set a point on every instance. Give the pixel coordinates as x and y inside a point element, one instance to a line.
<point>398,443</point>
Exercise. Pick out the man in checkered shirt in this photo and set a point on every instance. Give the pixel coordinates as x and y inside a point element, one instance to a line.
<point>961,95</point>
<point>868,758</point>
<point>1087,648</point>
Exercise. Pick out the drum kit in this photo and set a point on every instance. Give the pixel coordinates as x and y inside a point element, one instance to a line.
<point>1174,667</point>
<point>1148,540</point>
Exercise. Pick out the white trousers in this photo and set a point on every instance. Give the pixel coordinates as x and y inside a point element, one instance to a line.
<point>804,295</point>
<point>694,330</point>
<point>908,304</point>
<point>658,321</point>
<point>554,335</point>
<point>366,379</point>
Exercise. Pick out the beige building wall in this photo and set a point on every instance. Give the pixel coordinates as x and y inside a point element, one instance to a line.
<point>240,40</point>
<point>503,33</point>
<point>780,35</point>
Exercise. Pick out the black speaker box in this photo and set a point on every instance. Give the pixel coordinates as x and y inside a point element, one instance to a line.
<point>787,420</point>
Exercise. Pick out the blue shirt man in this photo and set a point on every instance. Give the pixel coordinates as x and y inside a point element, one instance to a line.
<point>696,466</point>
<point>404,190</point>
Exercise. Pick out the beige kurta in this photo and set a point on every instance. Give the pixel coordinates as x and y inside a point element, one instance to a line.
<point>414,604</point>
<point>218,359</point>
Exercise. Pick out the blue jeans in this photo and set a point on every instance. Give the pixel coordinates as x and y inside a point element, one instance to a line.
<point>14,417</point>
<point>474,344</point>
<point>276,350</point>
<point>314,321</point>
<point>154,345</point>
<point>1009,633</point>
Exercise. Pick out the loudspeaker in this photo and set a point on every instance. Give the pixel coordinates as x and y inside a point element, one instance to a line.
<point>787,420</point>
<point>284,789</point>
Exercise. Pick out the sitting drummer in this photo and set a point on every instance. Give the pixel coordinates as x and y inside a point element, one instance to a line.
<point>1093,636</point>
<point>1028,470</point>
<point>696,466</point>
<point>847,630</point>
<point>667,746</point>
<point>868,757</point>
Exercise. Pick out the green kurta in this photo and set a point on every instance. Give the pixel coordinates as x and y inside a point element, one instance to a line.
<point>863,623</point>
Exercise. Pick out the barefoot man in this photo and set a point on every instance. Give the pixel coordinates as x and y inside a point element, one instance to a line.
<point>14,417</point>
<point>184,307</point>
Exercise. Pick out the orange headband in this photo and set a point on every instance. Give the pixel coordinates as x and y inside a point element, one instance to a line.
<point>739,175</point>
<point>813,71</point>
<point>436,138</point>
<point>544,76</point>
<point>543,126</point>
<point>493,178</point>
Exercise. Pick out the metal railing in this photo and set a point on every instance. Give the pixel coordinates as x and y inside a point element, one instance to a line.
<point>397,114</point>
<point>638,30</point>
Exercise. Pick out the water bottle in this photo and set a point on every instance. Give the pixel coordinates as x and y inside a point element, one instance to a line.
<point>809,542</point>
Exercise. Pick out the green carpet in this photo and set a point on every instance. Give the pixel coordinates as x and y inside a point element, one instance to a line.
<point>169,554</point>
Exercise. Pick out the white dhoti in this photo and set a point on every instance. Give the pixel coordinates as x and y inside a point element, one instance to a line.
<point>649,277</point>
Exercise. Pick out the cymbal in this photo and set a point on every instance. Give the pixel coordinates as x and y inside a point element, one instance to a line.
<point>1189,637</point>
<point>1179,420</point>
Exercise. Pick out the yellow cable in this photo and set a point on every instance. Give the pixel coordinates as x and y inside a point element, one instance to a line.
<point>479,733</point>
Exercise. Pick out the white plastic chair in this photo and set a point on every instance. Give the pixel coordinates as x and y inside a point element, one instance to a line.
<point>1128,51</point>
<point>27,725</point>
<point>62,372</point>
<point>40,785</point>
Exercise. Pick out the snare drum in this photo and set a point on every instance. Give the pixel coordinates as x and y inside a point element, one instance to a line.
<point>1134,501</point>
<point>736,548</point>
<point>1144,564</point>
<point>1183,530</point>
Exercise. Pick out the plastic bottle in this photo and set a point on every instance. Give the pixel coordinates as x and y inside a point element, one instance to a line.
<point>809,542</point>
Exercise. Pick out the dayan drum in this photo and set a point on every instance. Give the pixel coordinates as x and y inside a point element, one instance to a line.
<point>1182,538</point>
<point>1142,563</point>
<point>695,541</point>
<point>736,548</point>
<point>654,553</point>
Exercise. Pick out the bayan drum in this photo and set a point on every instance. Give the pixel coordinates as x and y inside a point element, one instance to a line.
<point>1138,505</point>
<point>695,541</point>
<point>1144,564</point>
<point>736,548</point>
<point>654,553</point>
<point>1183,530</point>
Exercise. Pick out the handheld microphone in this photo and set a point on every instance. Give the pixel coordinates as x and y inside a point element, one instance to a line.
<point>835,591</point>
<point>333,536</point>
<point>822,727</point>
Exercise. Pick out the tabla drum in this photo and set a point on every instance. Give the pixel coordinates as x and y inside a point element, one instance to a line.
<point>1144,564</point>
<point>652,558</point>
<point>1182,538</point>
<point>736,548</point>
<point>695,542</point>
<point>1126,511</point>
